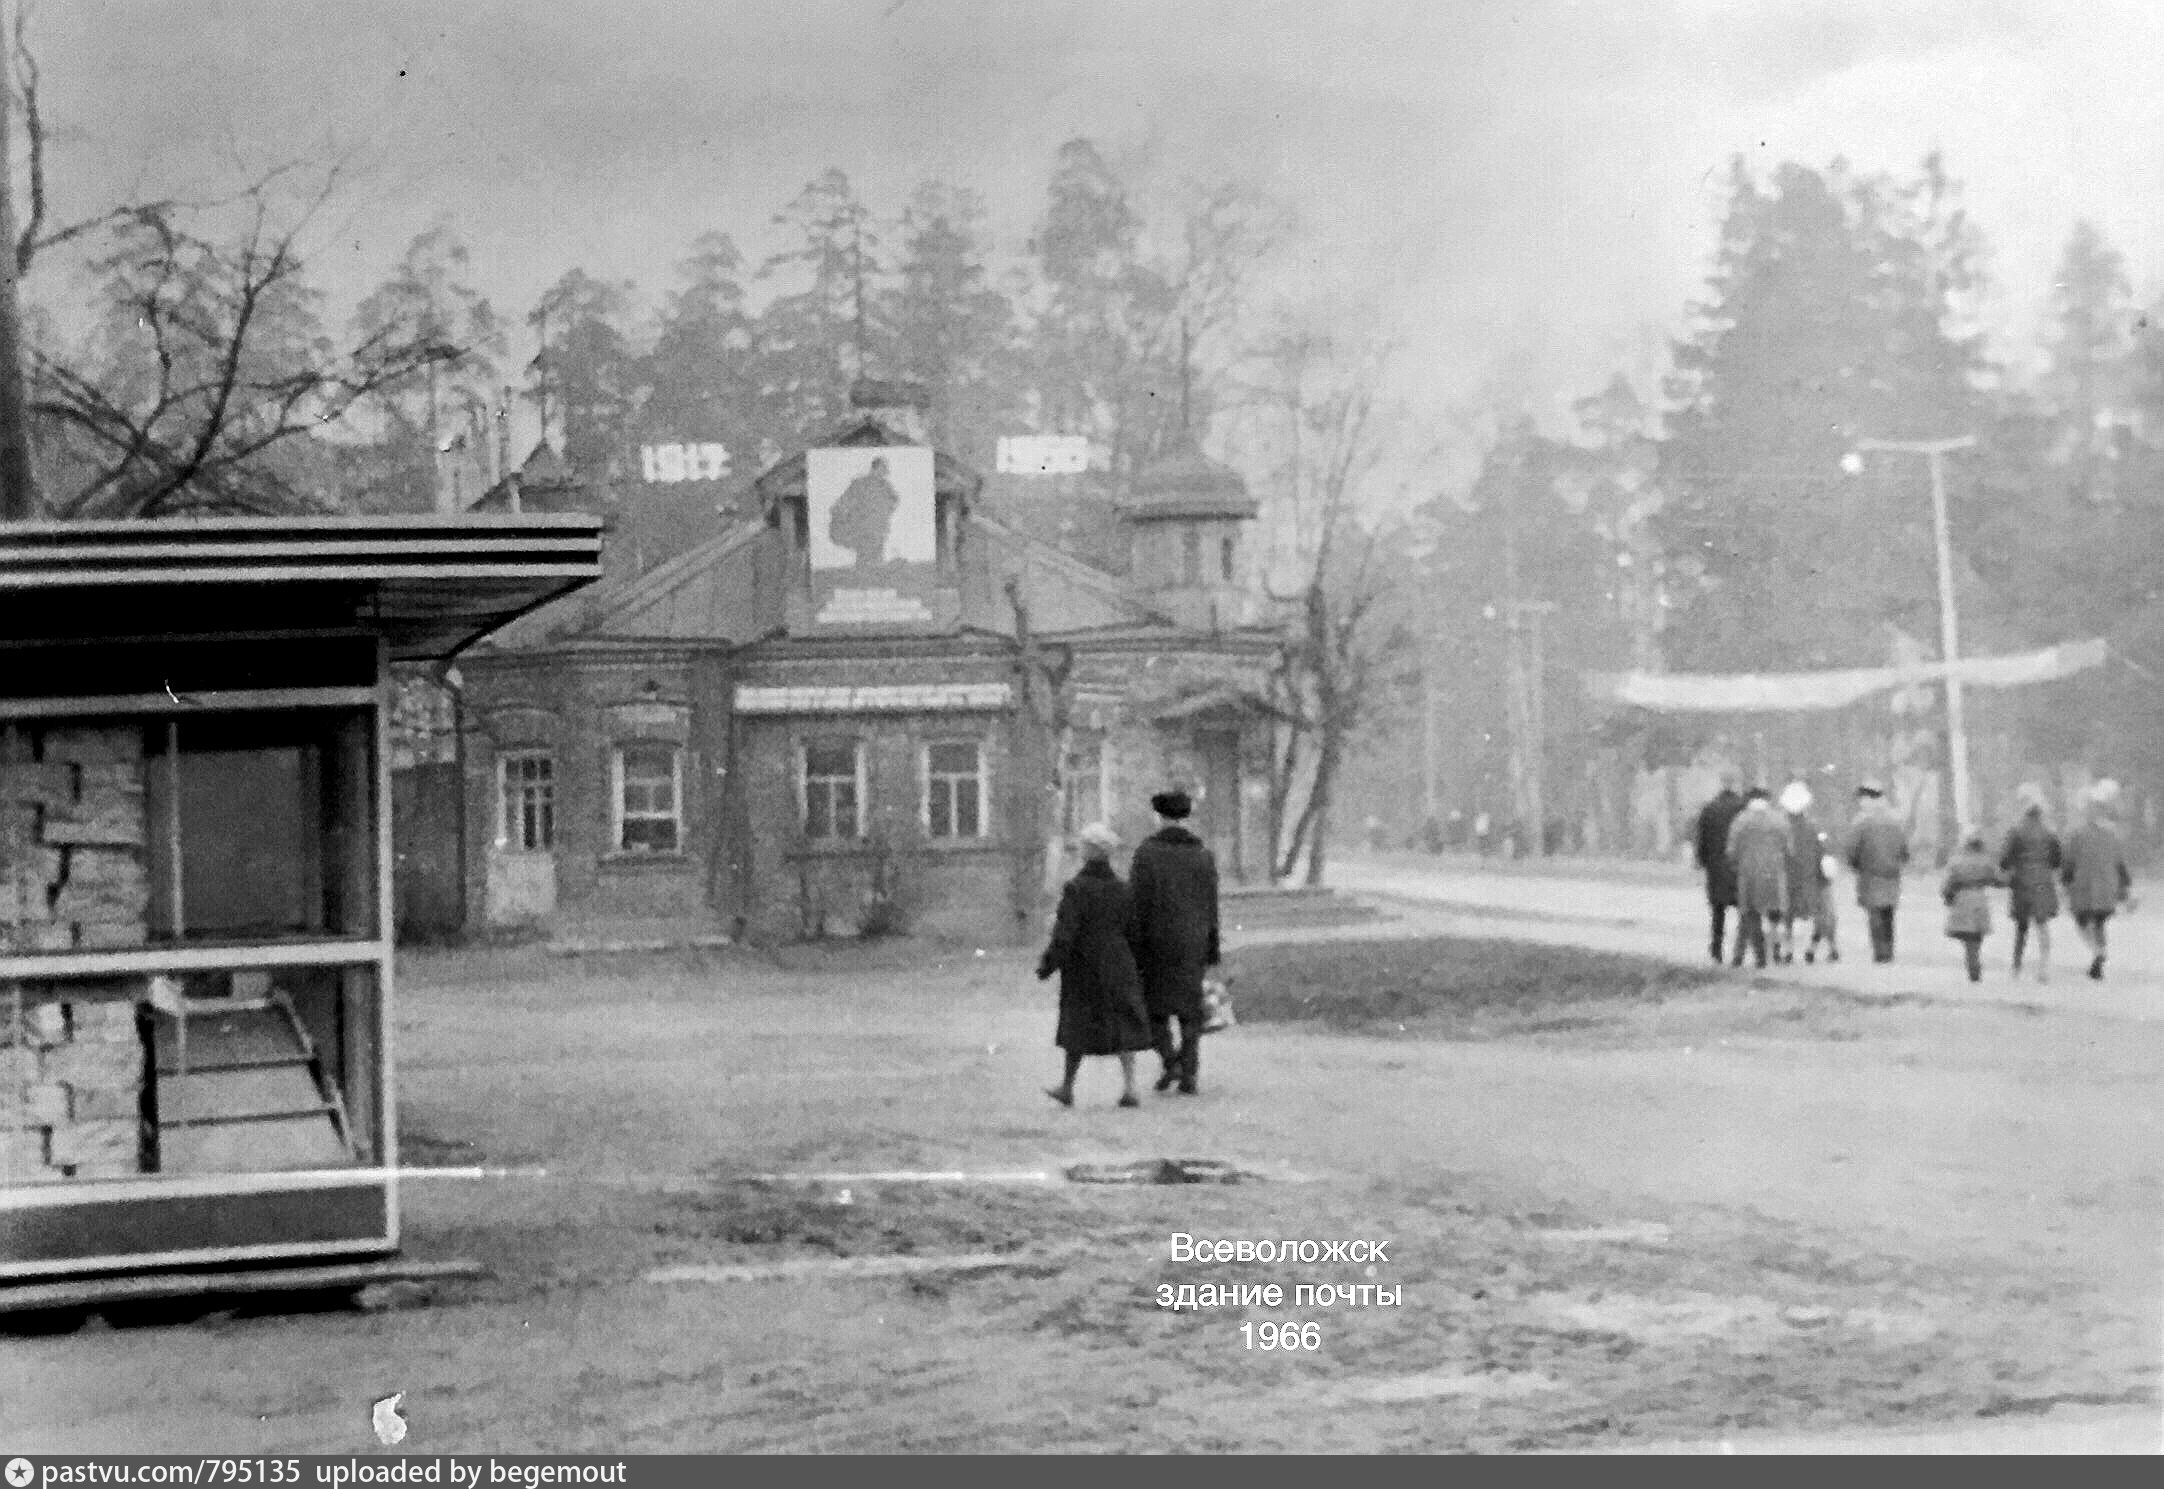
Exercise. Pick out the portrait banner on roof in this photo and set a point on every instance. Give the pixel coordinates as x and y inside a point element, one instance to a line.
<point>874,534</point>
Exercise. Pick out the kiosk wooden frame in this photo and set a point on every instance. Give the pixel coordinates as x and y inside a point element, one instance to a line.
<point>196,958</point>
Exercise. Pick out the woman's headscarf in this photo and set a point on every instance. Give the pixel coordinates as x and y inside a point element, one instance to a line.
<point>1097,840</point>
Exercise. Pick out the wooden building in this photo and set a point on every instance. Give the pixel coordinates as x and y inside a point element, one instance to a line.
<point>867,705</point>
<point>195,871</point>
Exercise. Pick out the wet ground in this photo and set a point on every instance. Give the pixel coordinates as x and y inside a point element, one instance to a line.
<point>1656,1209</point>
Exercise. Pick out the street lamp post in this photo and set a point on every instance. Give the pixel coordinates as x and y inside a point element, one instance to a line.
<point>1934,452</point>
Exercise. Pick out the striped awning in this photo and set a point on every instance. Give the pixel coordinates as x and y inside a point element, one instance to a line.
<point>430,585</point>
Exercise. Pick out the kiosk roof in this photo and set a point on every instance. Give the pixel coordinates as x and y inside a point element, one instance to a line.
<point>431,585</point>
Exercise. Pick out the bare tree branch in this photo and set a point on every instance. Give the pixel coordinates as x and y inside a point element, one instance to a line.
<point>26,76</point>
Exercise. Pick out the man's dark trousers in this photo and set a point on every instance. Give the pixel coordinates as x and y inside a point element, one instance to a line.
<point>1183,1062</point>
<point>1882,932</point>
<point>1720,926</point>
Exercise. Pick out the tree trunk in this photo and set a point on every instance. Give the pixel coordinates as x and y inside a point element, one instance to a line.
<point>18,481</point>
<point>1326,763</point>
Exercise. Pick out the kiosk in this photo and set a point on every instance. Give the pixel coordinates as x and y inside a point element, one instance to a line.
<point>196,990</point>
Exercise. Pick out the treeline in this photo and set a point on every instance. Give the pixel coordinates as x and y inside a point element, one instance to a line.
<point>1730,520</point>
<point>210,375</point>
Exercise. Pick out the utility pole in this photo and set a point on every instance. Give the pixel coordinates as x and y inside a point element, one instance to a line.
<point>18,481</point>
<point>1934,452</point>
<point>1529,719</point>
<point>1525,664</point>
<point>1431,728</point>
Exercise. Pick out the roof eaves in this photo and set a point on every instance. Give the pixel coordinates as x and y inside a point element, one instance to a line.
<point>667,577</point>
<point>1109,586</point>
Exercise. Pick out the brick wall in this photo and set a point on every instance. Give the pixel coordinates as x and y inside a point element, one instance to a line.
<point>73,871</point>
<point>71,1085</point>
<point>957,889</point>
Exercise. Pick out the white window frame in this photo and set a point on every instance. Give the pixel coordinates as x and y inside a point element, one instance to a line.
<point>981,778</point>
<point>508,837</point>
<point>803,788</point>
<point>618,816</point>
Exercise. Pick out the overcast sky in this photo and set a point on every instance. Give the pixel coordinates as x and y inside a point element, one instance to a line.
<point>1524,190</point>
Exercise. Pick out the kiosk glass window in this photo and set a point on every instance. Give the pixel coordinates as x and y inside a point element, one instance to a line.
<point>238,1071</point>
<point>253,826</point>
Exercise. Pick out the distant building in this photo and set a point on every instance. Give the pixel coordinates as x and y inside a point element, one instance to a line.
<point>873,704</point>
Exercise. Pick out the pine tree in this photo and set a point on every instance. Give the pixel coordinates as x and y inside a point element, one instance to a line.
<point>701,378</point>
<point>428,298</point>
<point>953,328</point>
<point>1106,348</point>
<point>586,375</point>
<point>1827,324</point>
<point>2091,314</point>
<point>823,328</point>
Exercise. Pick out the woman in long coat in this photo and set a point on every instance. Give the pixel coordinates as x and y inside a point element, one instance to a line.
<point>2095,874</point>
<point>1970,877</point>
<point>1810,897</point>
<point>2030,860</point>
<point>1100,993</point>
<point>1758,853</point>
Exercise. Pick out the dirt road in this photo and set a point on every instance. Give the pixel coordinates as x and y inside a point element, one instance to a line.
<point>1759,1210</point>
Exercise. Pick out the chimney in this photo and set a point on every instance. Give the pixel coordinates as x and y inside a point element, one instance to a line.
<point>904,407</point>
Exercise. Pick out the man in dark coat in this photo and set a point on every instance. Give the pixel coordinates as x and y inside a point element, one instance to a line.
<point>1877,851</point>
<point>1714,820</point>
<point>1172,885</point>
<point>1100,993</point>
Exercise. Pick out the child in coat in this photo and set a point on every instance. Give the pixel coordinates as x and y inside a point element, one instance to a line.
<point>1970,878</point>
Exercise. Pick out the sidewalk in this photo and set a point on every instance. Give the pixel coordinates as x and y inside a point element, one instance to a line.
<point>1666,917</point>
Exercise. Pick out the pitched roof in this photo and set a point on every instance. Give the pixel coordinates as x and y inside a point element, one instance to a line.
<point>1064,593</point>
<point>1184,482</point>
<point>785,477</point>
<point>706,593</point>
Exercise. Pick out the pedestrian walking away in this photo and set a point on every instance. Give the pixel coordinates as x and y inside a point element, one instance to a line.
<point>1971,875</point>
<point>1877,850</point>
<point>2029,861</point>
<point>1757,852</point>
<point>1711,846</point>
<point>1100,991</point>
<point>1810,886</point>
<point>2093,869</point>
<point>1172,884</point>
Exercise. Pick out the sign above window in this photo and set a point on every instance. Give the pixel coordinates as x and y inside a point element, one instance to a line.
<point>875,698</point>
<point>1043,454</point>
<point>668,464</point>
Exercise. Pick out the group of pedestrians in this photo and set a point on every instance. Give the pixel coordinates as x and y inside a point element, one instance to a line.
<point>2035,864</point>
<point>1774,867</point>
<point>1131,958</point>
<point>1769,864</point>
